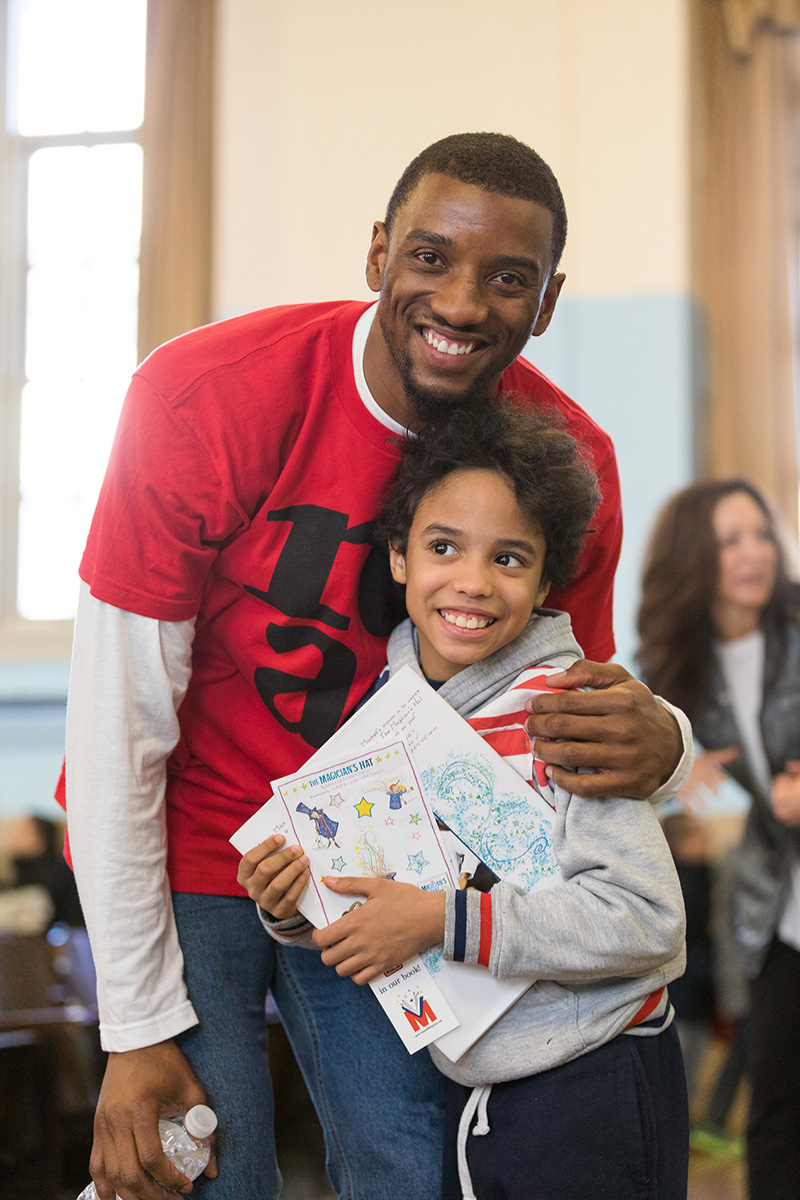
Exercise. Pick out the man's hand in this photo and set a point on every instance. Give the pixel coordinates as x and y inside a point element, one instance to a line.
<point>397,921</point>
<point>274,878</point>
<point>786,794</point>
<point>139,1087</point>
<point>620,732</point>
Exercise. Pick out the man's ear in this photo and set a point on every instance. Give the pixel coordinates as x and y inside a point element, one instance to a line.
<point>551,294</point>
<point>397,564</point>
<point>376,257</point>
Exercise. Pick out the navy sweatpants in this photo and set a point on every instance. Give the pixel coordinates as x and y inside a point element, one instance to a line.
<point>613,1123</point>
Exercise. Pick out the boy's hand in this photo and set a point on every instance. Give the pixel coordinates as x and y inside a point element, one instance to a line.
<point>274,878</point>
<point>619,731</point>
<point>396,921</point>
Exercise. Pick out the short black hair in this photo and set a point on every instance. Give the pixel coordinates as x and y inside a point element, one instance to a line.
<point>545,466</point>
<point>496,162</point>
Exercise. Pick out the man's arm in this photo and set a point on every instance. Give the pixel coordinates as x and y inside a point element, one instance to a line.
<point>129,674</point>
<point>634,744</point>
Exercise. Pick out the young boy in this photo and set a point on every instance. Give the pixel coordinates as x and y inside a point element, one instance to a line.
<point>579,1089</point>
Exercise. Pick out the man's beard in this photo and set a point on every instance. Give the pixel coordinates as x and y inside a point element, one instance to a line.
<point>432,403</point>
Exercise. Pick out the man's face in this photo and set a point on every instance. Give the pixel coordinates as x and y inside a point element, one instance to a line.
<point>464,280</point>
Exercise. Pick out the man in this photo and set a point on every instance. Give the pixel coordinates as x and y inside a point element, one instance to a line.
<point>232,614</point>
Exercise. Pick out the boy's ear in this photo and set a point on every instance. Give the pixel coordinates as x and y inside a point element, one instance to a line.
<point>541,595</point>
<point>397,564</point>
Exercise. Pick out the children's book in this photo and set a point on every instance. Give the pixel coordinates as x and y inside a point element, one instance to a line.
<point>442,766</point>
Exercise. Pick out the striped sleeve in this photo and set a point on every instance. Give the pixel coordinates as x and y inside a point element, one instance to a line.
<point>290,931</point>
<point>468,927</point>
<point>501,724</point>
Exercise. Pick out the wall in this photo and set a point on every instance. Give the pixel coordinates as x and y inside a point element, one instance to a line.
<point>320,107</point>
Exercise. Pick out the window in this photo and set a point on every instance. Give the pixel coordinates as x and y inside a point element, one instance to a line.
<point>71,159</point>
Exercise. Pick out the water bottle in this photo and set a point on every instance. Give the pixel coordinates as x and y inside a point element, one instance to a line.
<point>185,1141</point>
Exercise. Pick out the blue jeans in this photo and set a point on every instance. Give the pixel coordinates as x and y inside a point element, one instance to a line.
<point>381,1109</point>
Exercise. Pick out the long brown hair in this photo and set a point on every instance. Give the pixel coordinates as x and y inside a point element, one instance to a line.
<point>678,586</point>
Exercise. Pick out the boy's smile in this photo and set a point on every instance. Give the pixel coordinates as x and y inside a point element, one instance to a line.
<point>472,570</point>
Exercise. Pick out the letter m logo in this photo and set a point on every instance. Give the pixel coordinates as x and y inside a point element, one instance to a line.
<point>420,1016</point>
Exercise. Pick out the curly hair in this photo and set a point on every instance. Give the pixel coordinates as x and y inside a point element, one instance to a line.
<point>495,162</point>
<point>679,582</point>
<point>552,481</point>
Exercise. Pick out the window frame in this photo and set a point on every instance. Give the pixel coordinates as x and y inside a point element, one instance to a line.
<point>22,637</point>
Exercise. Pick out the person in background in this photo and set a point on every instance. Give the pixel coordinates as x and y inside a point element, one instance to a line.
<point>719,624</point>
<point>37,848</point>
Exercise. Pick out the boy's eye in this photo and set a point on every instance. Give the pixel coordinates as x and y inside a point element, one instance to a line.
<point>509,560</point>
<point>442,548</point>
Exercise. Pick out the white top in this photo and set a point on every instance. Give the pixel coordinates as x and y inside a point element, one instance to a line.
<point>129,675</point>
<point>360,335</point>
<point>742,663</point>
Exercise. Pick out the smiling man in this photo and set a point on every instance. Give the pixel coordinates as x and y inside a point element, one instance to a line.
<point>233,613</point>
<point>465,277</point>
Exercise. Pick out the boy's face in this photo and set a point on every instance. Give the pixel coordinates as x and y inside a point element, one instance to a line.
<point>472,570</point>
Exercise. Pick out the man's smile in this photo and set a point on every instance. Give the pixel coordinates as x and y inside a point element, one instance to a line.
<point>446,345</point>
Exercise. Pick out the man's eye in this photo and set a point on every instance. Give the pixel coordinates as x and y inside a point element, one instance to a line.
<point>429,257</point>
<point>509,279</point>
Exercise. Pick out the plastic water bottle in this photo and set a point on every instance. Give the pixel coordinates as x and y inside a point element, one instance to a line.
<point>185,1141</point>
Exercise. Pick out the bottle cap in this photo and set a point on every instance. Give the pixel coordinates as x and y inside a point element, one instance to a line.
<point>200,1121</point>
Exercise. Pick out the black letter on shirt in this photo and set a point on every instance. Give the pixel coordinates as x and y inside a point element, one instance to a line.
<point>326,694</point>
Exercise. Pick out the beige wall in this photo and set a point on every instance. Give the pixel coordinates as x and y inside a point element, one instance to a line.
<point>321,103</point>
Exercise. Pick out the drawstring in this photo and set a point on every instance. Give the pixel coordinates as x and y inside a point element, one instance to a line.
<point>477,1102</point>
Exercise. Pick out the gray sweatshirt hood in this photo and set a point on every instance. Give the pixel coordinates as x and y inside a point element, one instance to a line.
<point>547,639</point>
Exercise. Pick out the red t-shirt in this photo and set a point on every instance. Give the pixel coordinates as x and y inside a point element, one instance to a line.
<point>242,486</point>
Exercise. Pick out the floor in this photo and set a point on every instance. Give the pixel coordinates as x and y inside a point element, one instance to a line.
<point>709,1180</point>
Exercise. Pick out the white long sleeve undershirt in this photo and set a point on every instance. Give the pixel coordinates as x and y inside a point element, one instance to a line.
<point>129,675</point>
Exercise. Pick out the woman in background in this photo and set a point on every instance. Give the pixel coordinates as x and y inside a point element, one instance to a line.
<point>720,636</point>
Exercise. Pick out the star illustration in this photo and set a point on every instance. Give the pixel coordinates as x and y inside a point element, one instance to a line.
<point>417,862</point>
<point>304,786</point>
<point>364,809</point>
<point>338,864</point>
<point>378,759</point>
<point>389,821</point>
<point>337,800</point>
<point>414,818</point>
<point>416,836</point>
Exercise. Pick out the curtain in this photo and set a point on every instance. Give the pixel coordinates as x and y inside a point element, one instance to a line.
<point>746,181</point>
<point>175,260</point>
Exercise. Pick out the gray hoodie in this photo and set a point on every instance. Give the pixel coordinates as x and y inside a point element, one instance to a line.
<point>598,943</point>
